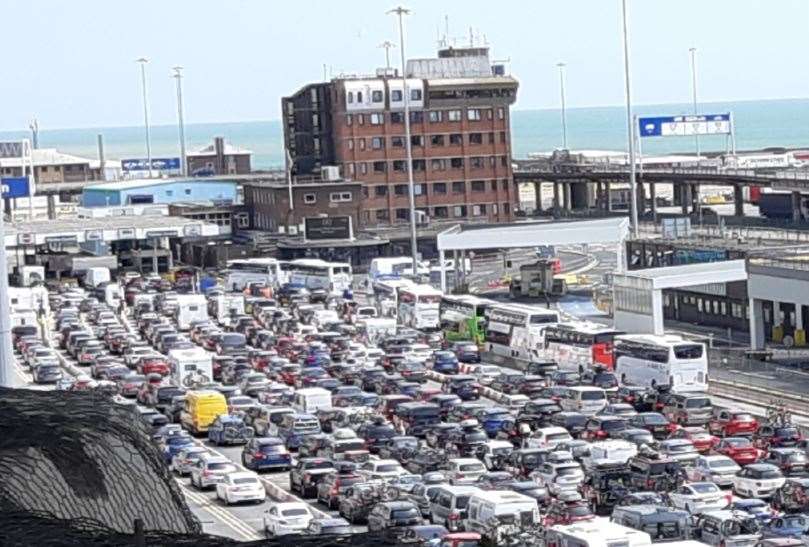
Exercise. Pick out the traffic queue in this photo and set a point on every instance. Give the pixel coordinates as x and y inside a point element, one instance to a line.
<point>418,438</point>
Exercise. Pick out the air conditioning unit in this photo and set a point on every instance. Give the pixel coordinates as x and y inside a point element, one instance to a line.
<point>330,172</point>
<point>26,239</point>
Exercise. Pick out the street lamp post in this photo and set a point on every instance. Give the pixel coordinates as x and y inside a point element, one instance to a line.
<point>142,61</point>
<point>630,133</point>
<point>178,76</point>
<point>401,12</point>
<point>387,45</point>
<point>564,111</point>
<point>693,52</point>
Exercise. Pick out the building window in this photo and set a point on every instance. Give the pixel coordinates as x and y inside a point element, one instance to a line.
<point>350,97</point>
<point>456,163</point>
<point>396,95</point>
<point>491,138</point>
<point>458,187</point>
<point>399,166</point>
<point>380,166</point>
<point>501,113</point>
<point>437,140</point>
<point>396,117</point>
<point>459,211</point>
<point>310,199</point>
<point>402,214</point>
<point>475,138</point>
<point>351,144</point>
<point>439,188</point>
<point>359,96</point>
<point>417,140</point>
<point>349,119</point>
<point>506,207</point>
<point>492,161</point>
<point>380,191</point>
<point>455,139</point>
<point>377,119</point>
<point>478,186</point>
<point>494,208</point>
<point>377,143</point>
<point>382,215</point>
<point>188,191</point>
<point>397,142</point>
<point>438,164</point>
<point>476,210</point>
<point>504,184</point>
<point>340,197</point>
<point>416,116</point>
<point>169,192</point>
<point>441,212</point>
<point>503,137</point>
<point>476,162</point>
<point>503,161</point>
<point>364,168</point>
<point>435,116</point>
<point>351,169</point>
<point>419,165</point>
<point>494,186</point>
<point>362,144</point>
<point>400,189</point>
<point>360,119</point>
<point>454,115</point>
<point>489,114</point>
<point>376,96</point>
<point>473,114</point>
<point>365,192</point>
<point>415,94</point>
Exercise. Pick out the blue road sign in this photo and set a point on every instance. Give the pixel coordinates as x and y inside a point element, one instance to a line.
<point>15,187</point>
<point>684,126</point>
<point>158,164</point>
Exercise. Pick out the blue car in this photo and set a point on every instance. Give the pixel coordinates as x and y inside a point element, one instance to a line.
<point>262,453</point>
<point>492,419</point>
<point>175,443</point>
<point>788,526</point>
<point>227,429</point>
<point>445,362</point>
<point>755,507</point>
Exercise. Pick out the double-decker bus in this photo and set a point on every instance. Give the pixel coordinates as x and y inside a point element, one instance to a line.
<point>667,361</point>
<point>514,331</point>
<point>313,273</point>
<point>242,272</point>
<point>580,345</point>
<point>384,268</point>
<point>418,306</point>
<point>462,317</point>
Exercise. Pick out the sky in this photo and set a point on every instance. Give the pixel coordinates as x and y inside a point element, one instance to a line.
<point>75,61</point>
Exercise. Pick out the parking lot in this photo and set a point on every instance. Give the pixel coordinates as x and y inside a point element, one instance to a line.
<point>293,418</point>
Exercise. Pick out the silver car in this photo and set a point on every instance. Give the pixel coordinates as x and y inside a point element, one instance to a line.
<point>185,459</point>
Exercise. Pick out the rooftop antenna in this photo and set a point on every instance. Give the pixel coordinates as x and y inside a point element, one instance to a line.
<point>387,45</point>
<point>325,75</point>
<point>34,126</point>
<point>446,30</point>
<point>471,37</point>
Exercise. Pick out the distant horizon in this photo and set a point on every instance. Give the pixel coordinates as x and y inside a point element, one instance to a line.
<point>513,110</point>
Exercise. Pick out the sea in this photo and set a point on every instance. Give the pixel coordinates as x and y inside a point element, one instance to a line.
<point>758,125</point>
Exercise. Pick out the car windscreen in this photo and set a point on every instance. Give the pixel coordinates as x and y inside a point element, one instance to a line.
<point>594,395</point>
<point>688,351</point>
<point>294,512</point>
<point>387,467</point>
<point>224,467</point>
<point>698,402</point>
<point>404,513</point>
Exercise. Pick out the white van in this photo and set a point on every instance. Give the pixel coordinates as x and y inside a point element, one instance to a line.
<point>321,317</point>
<point>585,399</point>
<point>311,399</point>
<point>612,452</point>
<point>222,306</point>
<point>597,532</point>
<point>30,275</point>
<point>94,277</point>
<point>511,510</point>
<point>112,295</point>
<point>190,308</point>
<point>191,366</point>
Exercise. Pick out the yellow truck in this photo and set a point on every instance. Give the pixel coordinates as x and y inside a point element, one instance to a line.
<point>201,409</point>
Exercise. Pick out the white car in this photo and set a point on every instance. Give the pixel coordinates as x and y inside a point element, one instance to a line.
<point>547,437</point>
<point>699,497</point>
<point>559,477</point>
<point>287,518</point>
<point>682,451</point>
<point>758,480</point>
<point>464,470</point>
<point>182,462</point>
<point>209,470</point>
<point>381,469</point>
<point>240,486</point>
<point>714,468</point>
<point>418,352</point>
<point>486,373</point>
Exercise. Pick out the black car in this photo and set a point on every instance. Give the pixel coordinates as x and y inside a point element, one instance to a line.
<point>574,422</point>
<point>392,514</point>
<point>466,352</point>
<point>653,472</point>
<point>599,428</point>
<point>466,441</point>
<point>436,435</point>
<point>398,447</point>
<point>376,434</point>
<point>565,378</point>
<point>508,382</point>
<point>463,385</point>
<point>416,417</point>
<point>538,412</point>
<point>334,486</point>
<point>654,422</point>
<point>307,473</point>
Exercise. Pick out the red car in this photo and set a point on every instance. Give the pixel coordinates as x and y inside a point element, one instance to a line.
<point>738,449</point>
<point>289,373</point>
<point>567,512</point>
<point>427,393</point>
<point>731,423</point>
<point>701,439</point>
<point>460,539</point>
<point>153,364</point>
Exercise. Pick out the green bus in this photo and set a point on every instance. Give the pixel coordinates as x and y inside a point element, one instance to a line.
<point>461,317</point>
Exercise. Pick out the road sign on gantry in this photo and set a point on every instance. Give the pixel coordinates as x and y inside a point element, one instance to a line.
<point>685,126</point>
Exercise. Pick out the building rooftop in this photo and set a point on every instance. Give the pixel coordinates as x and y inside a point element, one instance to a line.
<point>140,183</point>
<point>450,67</point>
<point>51,156</point>
<point>229,150</point>
<point>741,244</point>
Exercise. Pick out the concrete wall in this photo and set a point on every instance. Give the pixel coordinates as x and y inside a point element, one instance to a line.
<point>779,289</point>
<point>184,190</point>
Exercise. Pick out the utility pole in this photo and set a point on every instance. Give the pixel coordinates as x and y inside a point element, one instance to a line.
<point>34,126</point>
<point>178,76</point>
<point>142,61</point>
<point>387,45</point>
<point>693,52</point>
<point>400,13</point>
<point>630,132</point>
<point>564,112</point>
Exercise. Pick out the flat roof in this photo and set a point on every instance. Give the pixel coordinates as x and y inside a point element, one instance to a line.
<point>688,275</point>
<point>140,183</point>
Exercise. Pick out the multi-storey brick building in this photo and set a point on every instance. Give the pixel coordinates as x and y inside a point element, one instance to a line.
<point>461,143</point>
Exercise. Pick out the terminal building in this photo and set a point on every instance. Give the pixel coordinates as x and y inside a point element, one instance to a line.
<point>461,143</point>
<point>146,191</point>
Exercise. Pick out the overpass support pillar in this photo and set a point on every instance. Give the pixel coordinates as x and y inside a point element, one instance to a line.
<point>607,196</point>
<point>51,206</point>
<point>738,200</point>
<point>653,200</point>
<point>676,194</point>
<point>556,204</point>
<point>756,324</point>
<point>538,196</point>
<point>566,196</point>
<point>685,197</point>
<point>641,199</point>
<point>796,206</point>
<point>443,270</point>
<point>695,198</point>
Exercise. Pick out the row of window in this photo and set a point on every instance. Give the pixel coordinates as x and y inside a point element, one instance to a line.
<point>334,197</point>
<point>435,140</point>
<point>436,164</point>
<point>441,211</point>
<point>377,96</point>
<point>433,116</point>
<point>436,188</point>
<point>43,169</point>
